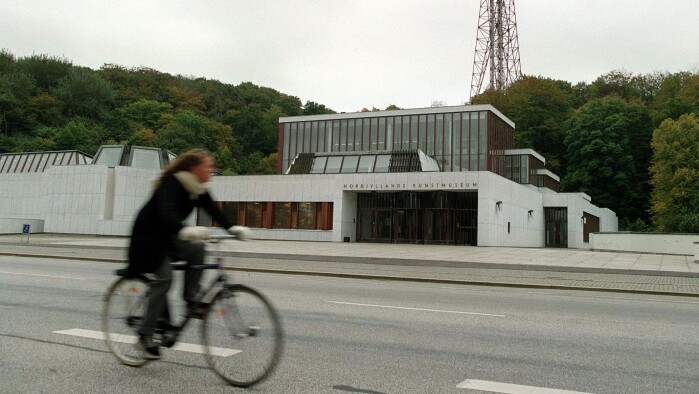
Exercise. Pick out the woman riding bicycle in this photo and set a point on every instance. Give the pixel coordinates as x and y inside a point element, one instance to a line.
<point>159,237</point>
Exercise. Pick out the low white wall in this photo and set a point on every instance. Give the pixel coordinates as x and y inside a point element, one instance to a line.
<point>696,252</point>
<point>16,226</point>
<point>680,244</point>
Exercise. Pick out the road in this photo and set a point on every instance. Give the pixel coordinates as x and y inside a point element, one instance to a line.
<point>363,336</point>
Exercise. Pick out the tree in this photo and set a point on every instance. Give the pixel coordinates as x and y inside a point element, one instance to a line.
<point>675,172</point>
<point>257,129</point>
<point>84,93</point>
<point>602,159</point>
<point>46,71</point>
<point>313,108</point>
<point>145,114</point>
<point>539,106</point>
<point>142,137</point>
<point>186,130</point>
<point>15,90</point>
<point>678,95</point>
<point>80,134</point>
<point>257,164</point>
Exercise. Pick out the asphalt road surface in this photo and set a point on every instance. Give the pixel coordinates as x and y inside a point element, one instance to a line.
<point>364,336</point>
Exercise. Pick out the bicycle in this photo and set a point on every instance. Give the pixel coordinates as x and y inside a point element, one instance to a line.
<point>241,332</point>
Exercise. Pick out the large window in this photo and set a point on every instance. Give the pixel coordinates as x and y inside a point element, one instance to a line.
<point>333,166</point>
<point>109,156</point>
<point>382,162</point>
<point>146,158</point>
<point>307,215</point>
<point>318,165</point>
<point>366,163</point>
<point>277,215</point>
<point>253,214</point>
<point>458,141</point>
<point>349,165</point>
<point>282,215</point>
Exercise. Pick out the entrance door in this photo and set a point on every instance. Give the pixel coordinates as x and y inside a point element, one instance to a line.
<point>556,227</point>
<point>439,227</point>
<point>407,226</point>
<point>418,217</point>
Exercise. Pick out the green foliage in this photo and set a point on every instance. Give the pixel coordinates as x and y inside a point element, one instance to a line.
<point>675,172</point>
<point>187,130</point>
<point>80,134</point>
<point>15,89</point>
<point>257,164</point>
<point>602,152</point>
<point>538,106</point>
<point>142,137</point>
<point>45,70</point>
<point>84,93</point>
<point>313,108</point>
<point>226,161</point>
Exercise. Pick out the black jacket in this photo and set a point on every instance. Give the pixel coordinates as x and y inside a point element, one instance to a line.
<point>159,221</point>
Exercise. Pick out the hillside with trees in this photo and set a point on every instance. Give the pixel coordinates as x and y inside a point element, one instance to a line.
<point>629,141</point>
<point>47,103</point>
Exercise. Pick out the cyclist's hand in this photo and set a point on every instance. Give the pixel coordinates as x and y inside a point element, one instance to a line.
<point>241,232</point>
<point>194,234</point>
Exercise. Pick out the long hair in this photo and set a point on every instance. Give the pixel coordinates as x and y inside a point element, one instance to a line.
<point>185,161</point>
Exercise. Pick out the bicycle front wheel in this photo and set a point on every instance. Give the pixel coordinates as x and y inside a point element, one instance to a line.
<point>242,336</point>
<point>122,312</point>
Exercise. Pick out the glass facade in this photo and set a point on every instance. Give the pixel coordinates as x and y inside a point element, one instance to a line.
<point>146,158</point>
<point>459,140</point>
<point>282,215</point>
<point>418,217</point>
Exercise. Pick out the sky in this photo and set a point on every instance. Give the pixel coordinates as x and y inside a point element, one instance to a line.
<point>353,54</point>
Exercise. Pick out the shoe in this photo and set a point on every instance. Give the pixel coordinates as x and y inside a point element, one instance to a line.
<point>168,334</point>
<point>195,309</point>
<point>169,338</point>
<point>150,350</point>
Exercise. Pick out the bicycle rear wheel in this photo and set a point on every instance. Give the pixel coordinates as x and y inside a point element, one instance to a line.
<point>122,312</point>
<point>242,336</point>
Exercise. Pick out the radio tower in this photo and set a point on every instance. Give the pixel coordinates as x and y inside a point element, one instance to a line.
<point>497,46</point>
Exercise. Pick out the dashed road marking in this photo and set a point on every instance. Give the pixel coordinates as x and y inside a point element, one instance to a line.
<point>508,388</point>
<point>415,309</point>
<point>44,276</point>
<point>183,347</point>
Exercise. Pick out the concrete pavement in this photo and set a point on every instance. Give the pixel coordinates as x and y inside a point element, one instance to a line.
<point>493,266</point>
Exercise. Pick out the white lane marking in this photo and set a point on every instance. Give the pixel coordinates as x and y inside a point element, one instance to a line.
<point>183,347</point>
<point>507,388</point>
<point>415,309</point>
<point>44,276</point>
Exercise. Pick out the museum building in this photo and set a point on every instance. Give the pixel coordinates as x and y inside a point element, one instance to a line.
<point>443,175</point>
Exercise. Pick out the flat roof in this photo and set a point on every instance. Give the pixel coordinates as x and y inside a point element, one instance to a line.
<point>399,112</point>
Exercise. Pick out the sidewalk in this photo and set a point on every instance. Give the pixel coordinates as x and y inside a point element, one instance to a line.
<point>493,266</point>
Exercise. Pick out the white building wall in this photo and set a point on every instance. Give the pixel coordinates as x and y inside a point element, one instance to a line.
<point>577,203</point>
<point>93,199</point>
<point>283,188</point>
<point>526,230</point>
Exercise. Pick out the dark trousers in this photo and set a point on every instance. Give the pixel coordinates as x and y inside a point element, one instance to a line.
<point>157,306</point>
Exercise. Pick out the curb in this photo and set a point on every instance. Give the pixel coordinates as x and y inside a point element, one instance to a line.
<point>386,277</point>
<point>383,261</point>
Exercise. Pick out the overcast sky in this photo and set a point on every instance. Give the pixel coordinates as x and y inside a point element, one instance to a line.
<point>350,54</point>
